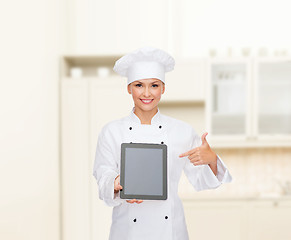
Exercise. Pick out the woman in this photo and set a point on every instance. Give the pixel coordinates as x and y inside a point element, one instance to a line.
<point>139,219</point>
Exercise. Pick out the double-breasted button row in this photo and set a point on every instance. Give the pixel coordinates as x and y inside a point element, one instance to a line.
<point>166,217</point>
<point>130,128</point>
<point>161,142</point>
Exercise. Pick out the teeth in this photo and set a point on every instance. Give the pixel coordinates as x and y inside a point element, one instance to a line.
<point>146,101</point>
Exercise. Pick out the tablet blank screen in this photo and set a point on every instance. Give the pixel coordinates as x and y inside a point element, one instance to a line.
<point>144,171</point>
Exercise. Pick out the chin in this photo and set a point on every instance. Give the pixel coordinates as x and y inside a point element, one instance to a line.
<point>147,108</point>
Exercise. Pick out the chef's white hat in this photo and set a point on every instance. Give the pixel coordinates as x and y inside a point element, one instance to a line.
<point>143,63</point>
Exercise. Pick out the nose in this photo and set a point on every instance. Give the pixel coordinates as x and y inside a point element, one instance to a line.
<point>146,92</point>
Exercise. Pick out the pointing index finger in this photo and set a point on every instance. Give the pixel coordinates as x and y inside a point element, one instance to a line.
<point>185,154</point>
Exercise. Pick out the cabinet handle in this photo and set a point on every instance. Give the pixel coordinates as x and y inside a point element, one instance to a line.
<point>275,203</point>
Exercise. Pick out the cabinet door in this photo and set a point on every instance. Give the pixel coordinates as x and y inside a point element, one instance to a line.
<point>186,82</point>
<point>109,100</point>
<point>229,98</point>
<point>273,97</point>
<point>270,220</point>
<point>111,27</point>
<point>221,220</point>
<point>141,23</point>
<point>76,170</point>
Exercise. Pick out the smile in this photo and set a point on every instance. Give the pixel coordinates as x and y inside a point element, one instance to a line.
<point>147,101</point>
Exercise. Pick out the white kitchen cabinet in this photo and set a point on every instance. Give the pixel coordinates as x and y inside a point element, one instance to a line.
<point>238,219</point>
<point>270,220</point>
<point>228,94</point>
<point>142,23</point>
<point>109,100</point>
<point>88,102</point>
<point>87,105</point>
<point>111,27</point>
<point>75,167</point>
<point>187,81</point>
<point>249,102</point>
<point>273,97</point>
<point>221,220</point>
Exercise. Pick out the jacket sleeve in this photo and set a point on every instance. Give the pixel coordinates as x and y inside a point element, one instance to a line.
<point>105,171</point>
<point>201,176</point>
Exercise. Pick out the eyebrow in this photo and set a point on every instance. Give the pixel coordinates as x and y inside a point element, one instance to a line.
<point>152,82</point>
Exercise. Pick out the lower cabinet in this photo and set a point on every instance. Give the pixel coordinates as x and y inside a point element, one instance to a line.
<point>256,219</point>
<point>86,106</point>
<point>270,220</point>
<point>75,174</point>
<point>216,219</point>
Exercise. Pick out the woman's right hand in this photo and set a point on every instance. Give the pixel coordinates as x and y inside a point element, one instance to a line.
<point>118,187</point>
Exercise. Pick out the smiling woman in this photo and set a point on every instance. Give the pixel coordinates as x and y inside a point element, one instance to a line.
<point>152,219</point>
<point>146,94</point>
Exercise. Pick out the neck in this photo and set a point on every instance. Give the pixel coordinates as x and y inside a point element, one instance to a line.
<point>145,116</point>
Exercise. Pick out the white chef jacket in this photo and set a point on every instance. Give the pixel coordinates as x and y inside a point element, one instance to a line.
<point>151,219</point>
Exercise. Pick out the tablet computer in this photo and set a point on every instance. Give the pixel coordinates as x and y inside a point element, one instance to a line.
<point>143,172</point>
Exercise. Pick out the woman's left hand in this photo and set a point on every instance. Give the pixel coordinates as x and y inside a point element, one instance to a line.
<point>134,201</point>
<point>201,155</point>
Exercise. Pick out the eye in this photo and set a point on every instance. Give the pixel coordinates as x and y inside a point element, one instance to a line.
<point>155,85</point>
<point>138,85</point>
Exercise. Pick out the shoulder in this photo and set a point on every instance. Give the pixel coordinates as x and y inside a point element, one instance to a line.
<point>112,127</point>
<point>174,122</point>
<point>178,124</point>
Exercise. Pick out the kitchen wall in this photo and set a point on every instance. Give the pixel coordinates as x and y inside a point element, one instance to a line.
<point>29,129</point>
<point>257,172</point>
<point>35,34</point>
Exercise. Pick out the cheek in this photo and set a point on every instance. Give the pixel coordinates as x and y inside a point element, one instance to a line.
<point>136,93</point>
<point>157,93</point>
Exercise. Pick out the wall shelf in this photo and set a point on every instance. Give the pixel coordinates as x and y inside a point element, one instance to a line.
<point>89,64</point>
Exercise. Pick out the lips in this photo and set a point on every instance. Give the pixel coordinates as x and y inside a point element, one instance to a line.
<point>147,101</point>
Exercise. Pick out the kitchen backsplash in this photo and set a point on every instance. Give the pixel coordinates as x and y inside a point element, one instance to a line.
<point>262,172</point>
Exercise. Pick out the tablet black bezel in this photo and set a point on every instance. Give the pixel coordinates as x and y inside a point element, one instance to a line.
<point>122,171</point>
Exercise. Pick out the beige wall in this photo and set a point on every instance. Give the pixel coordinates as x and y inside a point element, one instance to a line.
<point>29,138</point>
<point>33,35</point>
<point>257,172</point>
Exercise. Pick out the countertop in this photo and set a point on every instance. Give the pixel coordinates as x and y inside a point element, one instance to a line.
<point>239,198</point>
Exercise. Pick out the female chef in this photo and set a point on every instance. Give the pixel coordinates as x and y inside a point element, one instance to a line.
<point>152,219</point>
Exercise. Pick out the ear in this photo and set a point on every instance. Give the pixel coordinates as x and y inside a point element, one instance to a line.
<point>129,88</point>
<point>164,86</point>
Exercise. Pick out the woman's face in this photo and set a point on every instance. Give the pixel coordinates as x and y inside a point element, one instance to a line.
<point>146,93</point>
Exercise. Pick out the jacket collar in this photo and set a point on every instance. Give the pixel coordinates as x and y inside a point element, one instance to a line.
<point>155,118</point>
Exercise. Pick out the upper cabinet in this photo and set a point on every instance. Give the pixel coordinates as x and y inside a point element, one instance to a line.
<point>249,102</point>
<point>273,97</point>
<point>186,83</point>
<point>227,109</point>
<point>117,27</point>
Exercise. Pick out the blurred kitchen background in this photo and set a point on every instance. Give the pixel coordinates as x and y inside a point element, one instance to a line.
<point>232,79</point>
